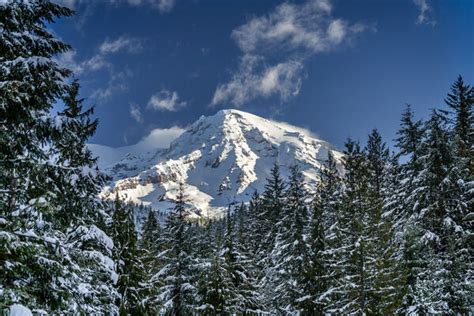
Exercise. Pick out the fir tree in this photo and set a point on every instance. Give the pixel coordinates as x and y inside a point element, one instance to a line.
<point>176,294</point>
<point>410,137</point>
<point>290,250</point>
<point>128,264</point>
<point>319,269</point>
<point>382,292</point>
<point>460,100</point>
<point>150,247</point>
<point>272,205</point>
<point>52,251</point>
<point>355,243</point>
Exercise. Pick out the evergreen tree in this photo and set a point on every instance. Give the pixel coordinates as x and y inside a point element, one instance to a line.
<point>237,263</point>
<point>256,228</point>
<point>383,290</point>
<point>409,141</point>
<point>355,250</point>
<point>400,206</point>
<point>440,286</point>
<point>53,255</point>
<point>150,247</point>
<point>127,257</point>
<point>220,286</point>
<point>460,100</point>
<point>290,250</point>
<point>319,269</point>
<point>176,294</point>
<point>270,208</point>
<point>272,205</point>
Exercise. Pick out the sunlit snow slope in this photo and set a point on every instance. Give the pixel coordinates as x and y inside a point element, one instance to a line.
<point>221,159</point>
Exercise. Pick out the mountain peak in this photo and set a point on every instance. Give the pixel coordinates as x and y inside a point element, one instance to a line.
<point>221,159</point>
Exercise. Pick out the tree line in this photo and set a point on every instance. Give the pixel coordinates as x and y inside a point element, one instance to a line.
<point>381,233</point>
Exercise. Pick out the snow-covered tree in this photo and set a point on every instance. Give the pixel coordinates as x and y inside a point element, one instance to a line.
<point>129,266</point>
<point>177,292</point>
<point>150,247</point>
<point>290,250</point>
<point>355,241</point>
<point>318,272</point>
<point>381,169</point>
<point>55,258</point>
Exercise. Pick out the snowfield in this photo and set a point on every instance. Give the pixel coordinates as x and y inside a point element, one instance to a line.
<point>221,159</point>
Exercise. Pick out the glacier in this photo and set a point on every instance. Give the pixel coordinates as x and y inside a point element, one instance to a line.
<point>220,159</point>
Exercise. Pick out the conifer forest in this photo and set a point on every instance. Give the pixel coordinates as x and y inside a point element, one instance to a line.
<point>386,230</point>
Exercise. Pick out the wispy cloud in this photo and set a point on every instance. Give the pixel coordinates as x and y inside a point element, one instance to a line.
<point>116,79</point>
<point>136,113</point>
<point>254,79</point>
<point>426,15</point>
<point>166,101</point>
<point>164,6</point>
<point>116,83</point>
<point>294,31</point>
<point>99,61</point>
<point>123,43</point>
<point>69,60</point>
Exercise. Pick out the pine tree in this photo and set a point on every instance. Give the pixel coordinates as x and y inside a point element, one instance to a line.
<point>319,269</point>
<point>221,281</point>
<point>461,187</point>
<point>217,287</point>
<point>127,257</point>
<point>460,100</point>
<point>270,208</point>
<point>176,294</point>
<point>237,264</point>
<point>272,205</point>
<point>432,292</point>
<point>382,292</point>
<point>150,246</point>
<point>290,250</point>
<point>51,248</point>
<point>355,247</point>
<point>400,205</point>
<point>410,137</point>
<point>256,228</point>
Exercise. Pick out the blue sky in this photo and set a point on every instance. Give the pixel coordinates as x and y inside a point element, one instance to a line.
<point>336,67</point>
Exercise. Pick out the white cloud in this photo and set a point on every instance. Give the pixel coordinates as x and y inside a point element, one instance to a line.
<point>160,138</point>
<point>426,13</point>
<point>336,31</point>
<point>166,100</point>
<point>69,60</point>
<point>250,82</point>
<point>117,79</point>
<point>289,26</point>
<point>123,43</point>
<point>164,6</point>
<point>295,31</point>
<point>99,61</point>
<point>136,113</point>
<point>157,138</point>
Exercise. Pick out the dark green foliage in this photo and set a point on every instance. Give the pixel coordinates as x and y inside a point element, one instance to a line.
<point>380,234</point>
<point>178,289</point>
<point>53,256</point>
<point>129,266</point>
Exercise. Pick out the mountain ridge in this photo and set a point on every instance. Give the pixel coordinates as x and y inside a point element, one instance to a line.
<point>221,159</point>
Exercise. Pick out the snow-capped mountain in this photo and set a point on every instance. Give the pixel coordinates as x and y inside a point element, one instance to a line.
<point>221,159</point>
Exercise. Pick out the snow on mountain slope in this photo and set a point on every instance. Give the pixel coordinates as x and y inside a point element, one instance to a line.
<point>221,159</point>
